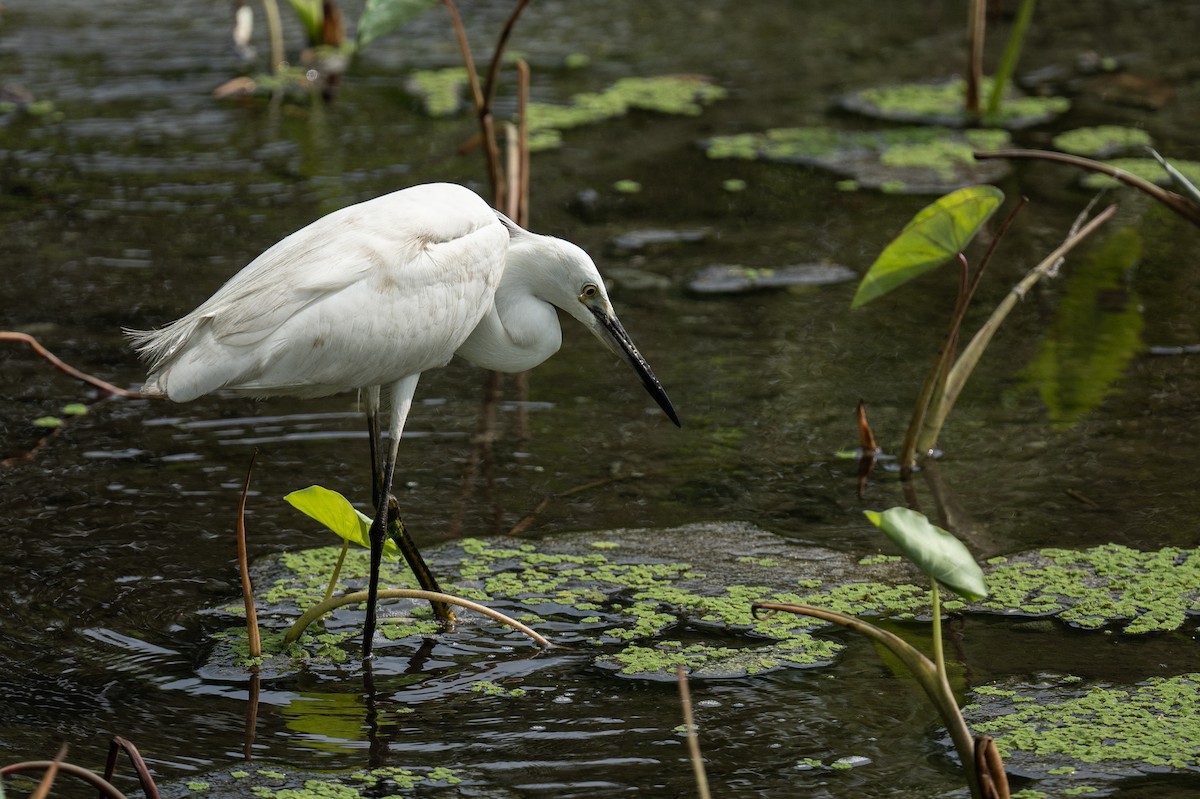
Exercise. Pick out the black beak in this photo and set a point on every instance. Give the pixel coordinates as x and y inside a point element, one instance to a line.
<point>623,344</point>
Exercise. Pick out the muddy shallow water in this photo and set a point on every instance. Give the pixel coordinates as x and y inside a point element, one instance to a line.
<point>143,194</point>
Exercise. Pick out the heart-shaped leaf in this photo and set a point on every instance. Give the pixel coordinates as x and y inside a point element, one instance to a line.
<point>935,552</point>
<point>335,512</point>
<point>936,234</point>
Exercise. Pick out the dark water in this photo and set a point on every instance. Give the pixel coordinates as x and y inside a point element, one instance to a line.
<point>147,194</point>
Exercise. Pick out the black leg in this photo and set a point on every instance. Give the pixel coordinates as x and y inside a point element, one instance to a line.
<point>377,493</point>
<point>378,534</point>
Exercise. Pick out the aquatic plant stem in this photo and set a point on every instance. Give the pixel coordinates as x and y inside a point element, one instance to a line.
<point>337,570</point>
<point>918,436</point>
<point>43,789</point>
<point>145,780</point>
<point>490,149</point>
<point>922,668</point>
<point>1012,52</point>
<point>317,611</point>
<point>271,9</point>
<point>25,338</point>
<point>94,779</point>
<point>253,639</point>
<point>974,350</point>
<point>693,740</point>
<point>935,381</point>
<point>1177,203</point>
<point>976,27</point>
<point>522,217</point>
<point>939,660</point>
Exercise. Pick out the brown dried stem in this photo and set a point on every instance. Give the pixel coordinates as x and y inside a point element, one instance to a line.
<point>25,338</point>
<point>1176,202</point>
<point>253,640</point>
<point>119,744</point>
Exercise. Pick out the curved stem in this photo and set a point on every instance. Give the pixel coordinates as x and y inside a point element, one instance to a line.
<point>319,610</point>
<point>494,68</point>
<point>9,335</point>
<point>924,670</point>
<point>1177,203</point>
<point>106,787</point>
<point>119,744</point>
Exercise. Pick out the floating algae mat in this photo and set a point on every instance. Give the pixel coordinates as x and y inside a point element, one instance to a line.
<point>277,783</point>
<point>1101,141</point>
<point>627,601</point>
<point>442,93</point>
<point>1073,736</point>
<point>918,160</point>
<point>623,597</point>
<point>1107,585</point>
<point>943,103</point>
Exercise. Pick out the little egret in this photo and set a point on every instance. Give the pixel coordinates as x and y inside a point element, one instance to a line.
<point>369,297</point>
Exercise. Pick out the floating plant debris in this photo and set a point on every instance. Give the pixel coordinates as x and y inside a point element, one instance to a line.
<point>942,103</point>
<point>730,279</point>
<point>915,160</point>
<point>1103,141</point>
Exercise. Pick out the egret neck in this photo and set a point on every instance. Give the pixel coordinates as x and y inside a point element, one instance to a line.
<point>520,330</point>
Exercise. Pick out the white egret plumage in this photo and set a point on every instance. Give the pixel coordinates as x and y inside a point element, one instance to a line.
<point>369,297</point>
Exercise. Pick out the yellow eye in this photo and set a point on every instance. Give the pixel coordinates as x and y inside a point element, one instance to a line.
<point>590,292</point>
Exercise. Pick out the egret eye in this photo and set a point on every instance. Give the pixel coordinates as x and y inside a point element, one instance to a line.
<point>590,292</point>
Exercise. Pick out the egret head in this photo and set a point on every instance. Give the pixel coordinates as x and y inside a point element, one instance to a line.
<point>574,285</point>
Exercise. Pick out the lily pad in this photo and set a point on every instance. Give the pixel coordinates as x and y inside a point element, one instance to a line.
<point>730,279</point>
<point>1103,141</point>
<point>1067,733</point>
<point>920,160</point>
<point>942,103</point>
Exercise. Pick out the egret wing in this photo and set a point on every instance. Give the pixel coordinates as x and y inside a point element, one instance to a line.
<point>362,293</point>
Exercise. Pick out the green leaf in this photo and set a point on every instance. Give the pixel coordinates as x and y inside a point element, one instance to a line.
<point>75,409</point>
<point>936,234</point>
<point>48,422</point>
<point>935,552</point>
<point>384,16</point>
<point>311,18</point>
<point>335,512</point>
